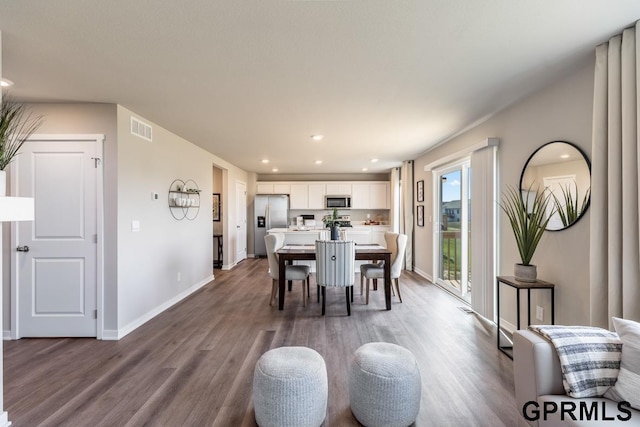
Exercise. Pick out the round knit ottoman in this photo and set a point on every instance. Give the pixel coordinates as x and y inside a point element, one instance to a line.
<point>384,385</point>
<point>290,388</point>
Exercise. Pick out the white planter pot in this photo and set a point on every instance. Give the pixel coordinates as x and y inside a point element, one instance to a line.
<point>525,273</point>
<point>3,183</point>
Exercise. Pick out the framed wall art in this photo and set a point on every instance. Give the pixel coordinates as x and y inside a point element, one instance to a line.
<point>216,206</point>
<point>420,191</point>
<point>420,216</point>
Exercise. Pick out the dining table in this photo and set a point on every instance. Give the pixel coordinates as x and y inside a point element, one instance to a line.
<point>290,253</point>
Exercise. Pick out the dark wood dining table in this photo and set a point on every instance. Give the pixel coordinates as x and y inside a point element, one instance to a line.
<point>290,253</point>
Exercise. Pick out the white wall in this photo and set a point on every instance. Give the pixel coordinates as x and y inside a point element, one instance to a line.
<point>560,112</point>
<point>149,260</point>
<point>141,268</point>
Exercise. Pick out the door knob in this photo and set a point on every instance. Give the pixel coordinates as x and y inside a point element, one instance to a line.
<point>24,248</point>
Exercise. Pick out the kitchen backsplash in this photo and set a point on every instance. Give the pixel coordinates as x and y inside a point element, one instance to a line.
<point>357,215</point>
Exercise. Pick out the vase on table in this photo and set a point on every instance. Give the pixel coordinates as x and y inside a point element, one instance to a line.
<point>335,232</point>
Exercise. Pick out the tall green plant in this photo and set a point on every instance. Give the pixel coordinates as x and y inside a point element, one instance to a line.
<point>569,207</point>
<point>528,219</point>
<point>16,126</point>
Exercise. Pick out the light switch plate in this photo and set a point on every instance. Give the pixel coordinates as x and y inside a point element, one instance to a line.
<point>154,195</point>
<point>135,226</point>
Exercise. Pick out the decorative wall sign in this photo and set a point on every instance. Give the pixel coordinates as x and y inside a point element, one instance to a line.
<point>420,191</point>
<point>420,216</point>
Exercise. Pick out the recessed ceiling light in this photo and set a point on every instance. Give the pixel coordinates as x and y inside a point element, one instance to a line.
<point>317,137</point>
<point>565,156</point>
<point>364,169</point>
<point>318,162</point>
<point>6,83</point>
<point>374,160</point>
<point>274,170</point>
<point>265,160</point>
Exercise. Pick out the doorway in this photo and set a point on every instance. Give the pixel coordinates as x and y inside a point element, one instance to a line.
<point>453,226</point>
<point>241,221</point>
<point>56,279</point>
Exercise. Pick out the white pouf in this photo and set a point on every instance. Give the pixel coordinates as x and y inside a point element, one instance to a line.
<point>290,388</point>
<point>384,385</point>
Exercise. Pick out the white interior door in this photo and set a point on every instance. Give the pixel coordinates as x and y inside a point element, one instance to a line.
<point>55,280</point>
<point>241,221</point>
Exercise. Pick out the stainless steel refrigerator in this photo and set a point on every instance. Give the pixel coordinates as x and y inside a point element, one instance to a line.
<point>269,211</point>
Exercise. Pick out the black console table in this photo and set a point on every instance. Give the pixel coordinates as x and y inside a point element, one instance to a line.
<point>217,263</point>
<point>518,286</point>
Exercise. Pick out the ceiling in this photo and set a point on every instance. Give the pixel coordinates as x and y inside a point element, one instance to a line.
<point>252,80</point>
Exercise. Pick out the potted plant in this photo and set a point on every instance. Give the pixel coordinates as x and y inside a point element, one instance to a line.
<point>528,221</point>
<point>331,221</point>
<point>16,126</point>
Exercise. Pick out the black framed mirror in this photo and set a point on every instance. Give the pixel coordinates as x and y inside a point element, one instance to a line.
<point>564,170</point>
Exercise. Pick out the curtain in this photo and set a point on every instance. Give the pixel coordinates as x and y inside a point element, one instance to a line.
<point>614,239</point>
<point>483,229</point>
<point>406,210</point>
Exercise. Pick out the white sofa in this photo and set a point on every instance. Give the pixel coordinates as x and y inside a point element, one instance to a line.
<point>538,383</point>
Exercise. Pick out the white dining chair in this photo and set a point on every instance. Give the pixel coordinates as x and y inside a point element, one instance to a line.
<point>397,244</point>
<point>335,266</point>
<point>273,242</point>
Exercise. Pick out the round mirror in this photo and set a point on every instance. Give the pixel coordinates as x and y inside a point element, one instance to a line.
<point>563,170</point>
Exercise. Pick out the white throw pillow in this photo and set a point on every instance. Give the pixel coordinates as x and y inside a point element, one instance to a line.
<point>627,387</point>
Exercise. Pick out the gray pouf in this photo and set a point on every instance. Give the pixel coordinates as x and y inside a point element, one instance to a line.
<point>384,385</point>
<point>290,388</point>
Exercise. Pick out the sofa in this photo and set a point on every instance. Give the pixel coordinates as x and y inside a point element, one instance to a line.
<point>541,398</point>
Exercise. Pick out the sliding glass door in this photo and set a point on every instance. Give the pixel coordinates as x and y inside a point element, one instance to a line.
<point>453,226</point>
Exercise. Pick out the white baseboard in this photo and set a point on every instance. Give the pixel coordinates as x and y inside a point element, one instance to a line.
<point>423,274</point>
<point>114,335</point>
<point>6,336</point>
<point>4,419</point>
<point>508,326</point>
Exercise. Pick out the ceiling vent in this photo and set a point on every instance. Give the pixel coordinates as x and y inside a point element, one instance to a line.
<point>141,129</point>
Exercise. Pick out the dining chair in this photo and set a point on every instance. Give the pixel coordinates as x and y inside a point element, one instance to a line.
<point>335,266</point>
<point>397,244</point>
<point>273,242</point>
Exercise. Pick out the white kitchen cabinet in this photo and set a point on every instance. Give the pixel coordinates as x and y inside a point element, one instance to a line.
<point>316,194</point>
<point>374,195</point>
<point>338,189</point>
<point>379,195</point>
<point>264,188</point>
<point>299,196</point>
<point>273,188</point>
<point>360,196</point>
<point>377,234</point>
<point>281,188</point>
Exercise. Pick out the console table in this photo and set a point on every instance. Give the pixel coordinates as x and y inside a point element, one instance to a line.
<point>217,263</point>
<point>518,286</point>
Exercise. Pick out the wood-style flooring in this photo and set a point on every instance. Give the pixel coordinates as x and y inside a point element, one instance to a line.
<point>193,364</point>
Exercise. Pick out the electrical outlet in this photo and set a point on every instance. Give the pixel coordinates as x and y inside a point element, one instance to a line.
<point>178,277</point>
<point>539,313</point>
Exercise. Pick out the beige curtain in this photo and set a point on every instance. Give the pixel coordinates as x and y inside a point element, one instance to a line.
<point>406,210</point>
<point>615,214</point>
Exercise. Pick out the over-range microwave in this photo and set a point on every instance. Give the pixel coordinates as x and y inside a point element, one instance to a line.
<point>339,202</point>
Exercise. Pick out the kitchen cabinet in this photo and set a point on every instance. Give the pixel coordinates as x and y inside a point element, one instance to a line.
<point>377,234</point>
<point>299,196</point>
<point>338,189</point>
<point>373,195</point>
<point>316,196</point>
<point>272,188</point>
<point>379,195</point>
<point>310,194</point>
<point>360,196</point>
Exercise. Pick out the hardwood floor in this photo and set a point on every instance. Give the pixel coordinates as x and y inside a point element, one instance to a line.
<point>193,364</point>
